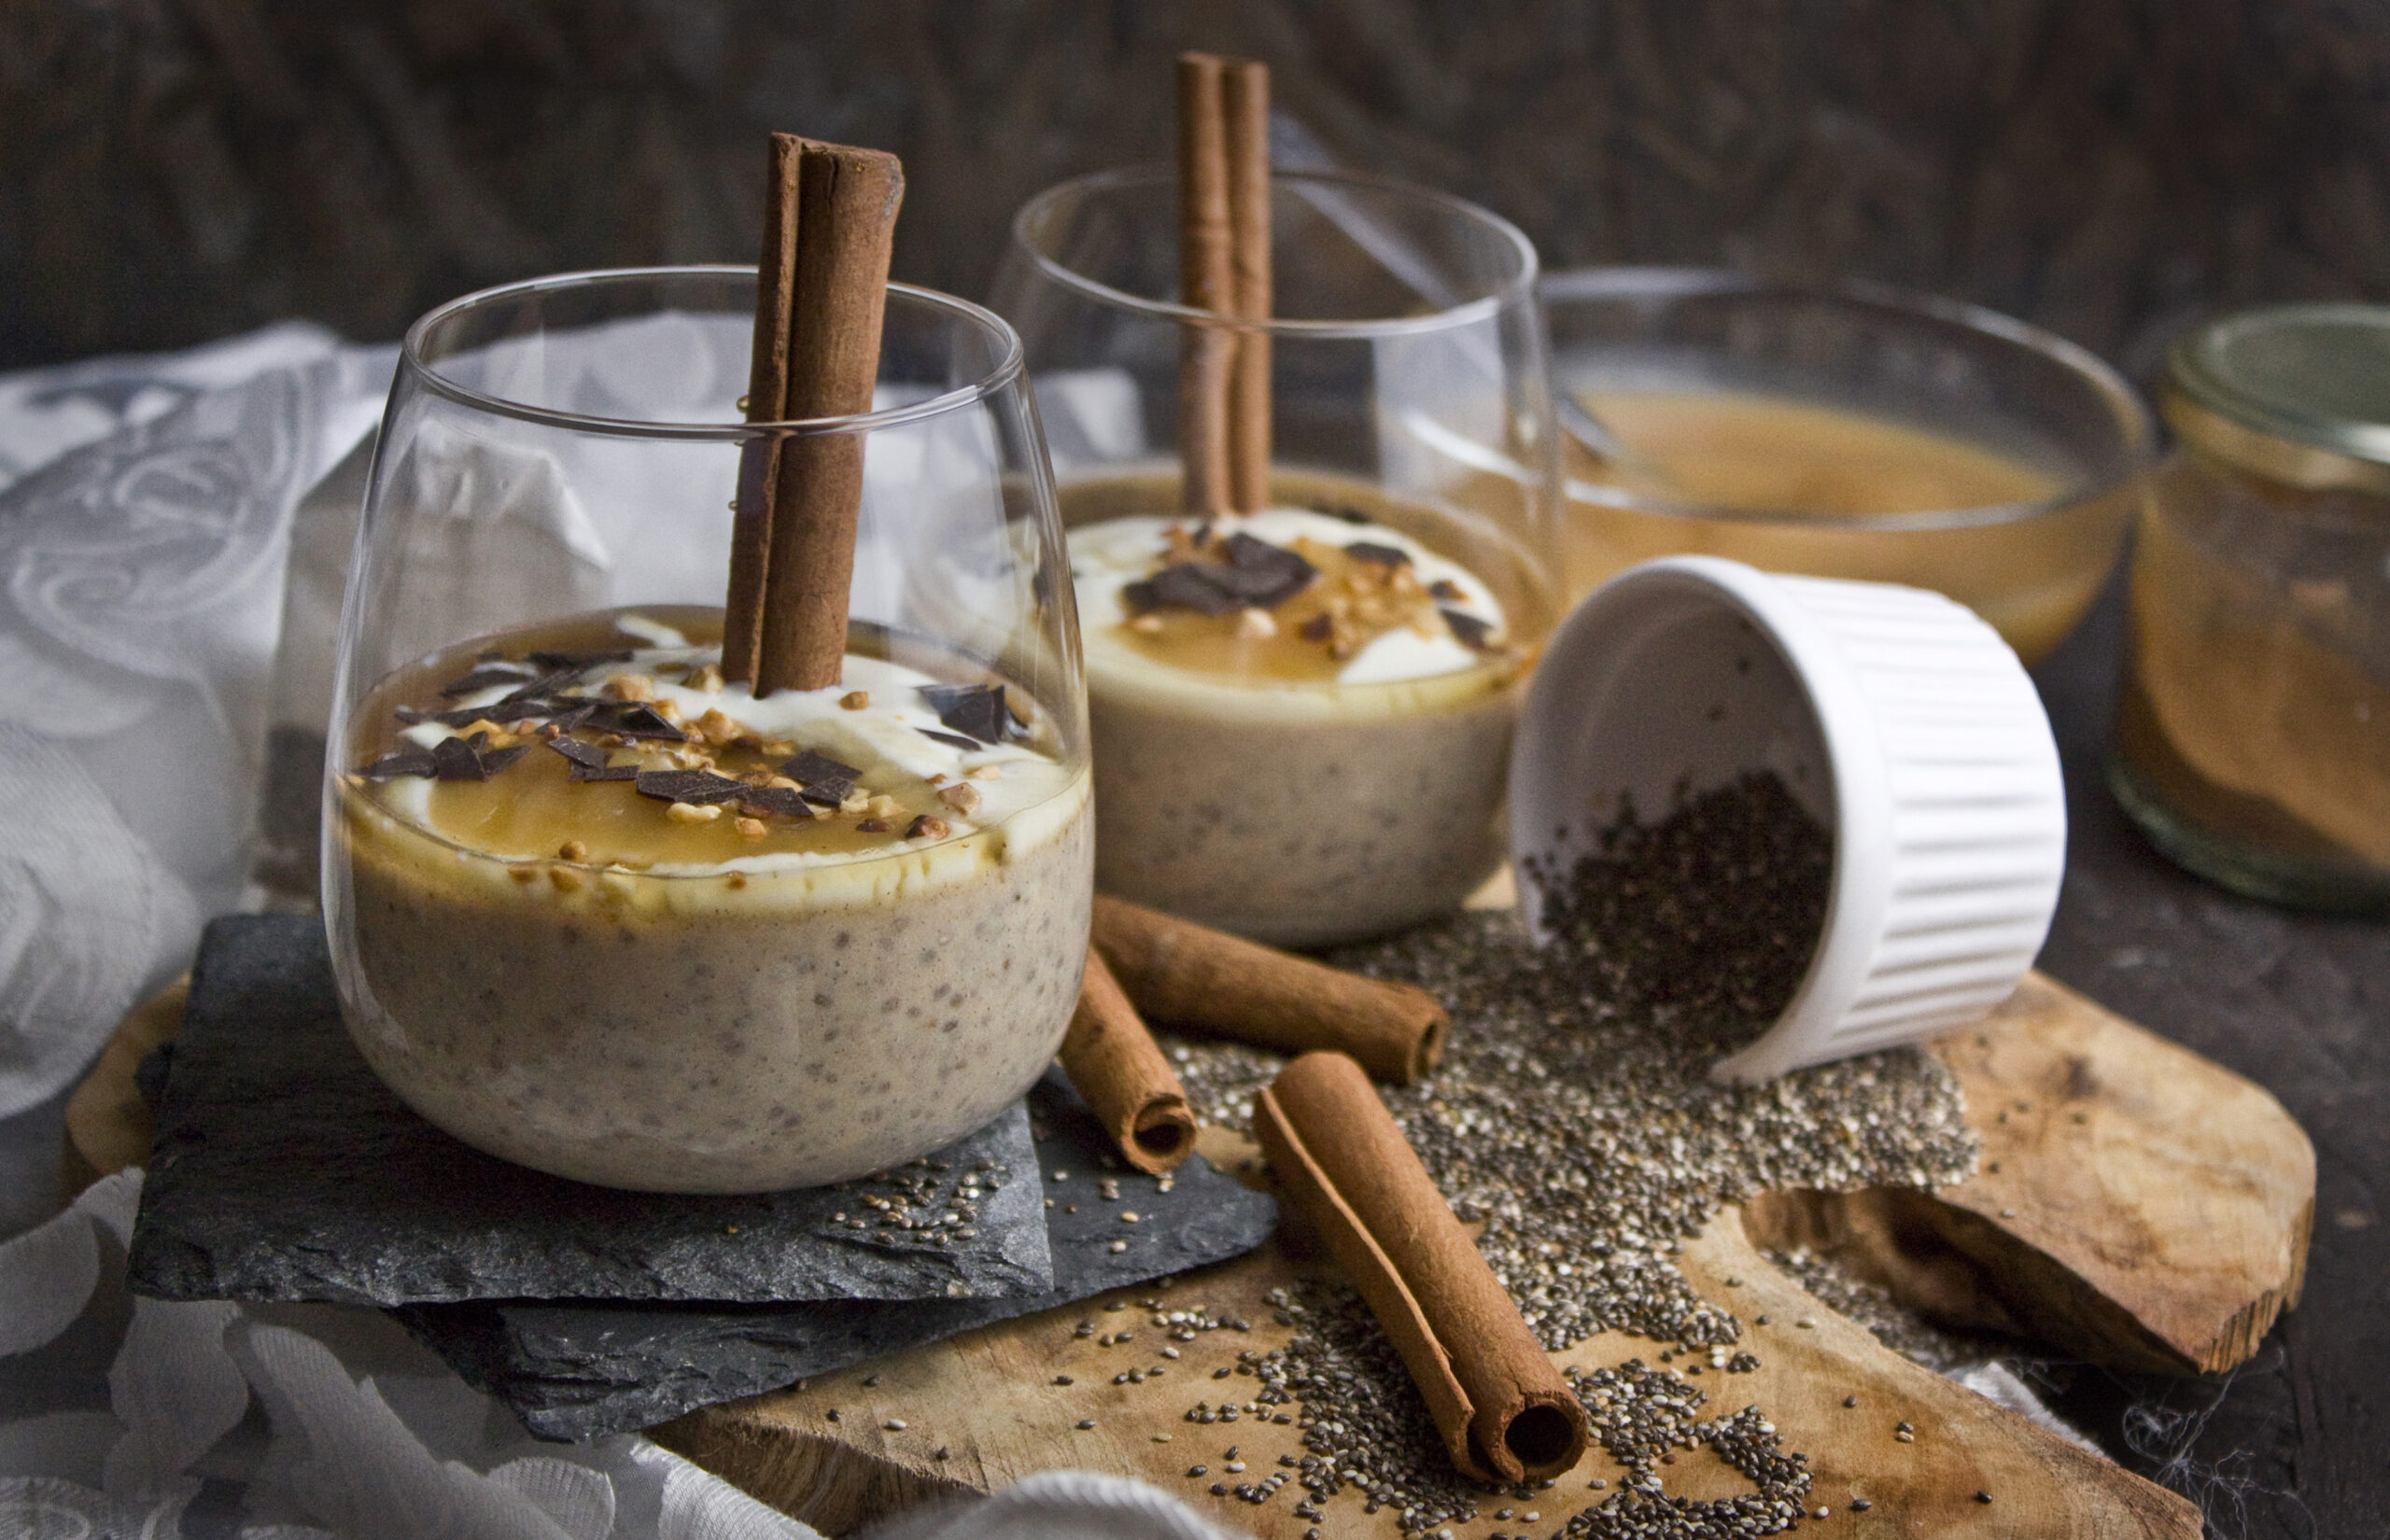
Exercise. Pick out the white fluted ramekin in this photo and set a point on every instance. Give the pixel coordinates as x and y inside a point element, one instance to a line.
<point>1897,718</point>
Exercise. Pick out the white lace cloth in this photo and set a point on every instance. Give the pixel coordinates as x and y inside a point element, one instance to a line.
<point>147,515</point>
<point>129,1419</point>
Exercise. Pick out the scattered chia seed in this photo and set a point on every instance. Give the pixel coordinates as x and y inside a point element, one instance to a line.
<point>1895,1325</point>
<point>1573,1118</point>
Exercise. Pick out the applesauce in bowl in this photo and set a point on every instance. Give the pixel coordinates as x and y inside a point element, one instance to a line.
<point>1845,432</point>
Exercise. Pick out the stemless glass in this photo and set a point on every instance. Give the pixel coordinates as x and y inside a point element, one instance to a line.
<point>653,983</point>
<point>1243,782</point>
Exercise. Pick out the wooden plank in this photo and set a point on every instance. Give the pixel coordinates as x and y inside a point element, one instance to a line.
<point>988,1400</point>
<point>2147,1207</point>
<point>2137,1205</point>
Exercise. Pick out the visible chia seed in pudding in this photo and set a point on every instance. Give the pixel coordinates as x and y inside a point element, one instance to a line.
<point>1302,717</point>
<point>605,917</point>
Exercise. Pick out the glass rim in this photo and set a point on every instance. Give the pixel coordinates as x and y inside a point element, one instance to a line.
<point>2136,428</point>
<point>1008,371</point>
<point>1518,288</point>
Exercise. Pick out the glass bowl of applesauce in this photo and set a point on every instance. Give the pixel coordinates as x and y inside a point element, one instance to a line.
<point>1844,431</point>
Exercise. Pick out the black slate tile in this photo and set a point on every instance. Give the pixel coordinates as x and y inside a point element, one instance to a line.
<point>285,1169</point>
<point>574,1371</point>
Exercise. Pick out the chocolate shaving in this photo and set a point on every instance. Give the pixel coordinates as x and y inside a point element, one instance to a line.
<point>696,786</point>
<point>495,760</point>
<point>824,780</point>
<point>1470,631</point>
<point>759,800</point>
<point>1190,585</point>
<point>1318,628</point>
<point>459,759</point>
<point>635,720</point>
<point>1380,555</point>
<point>974,711</point>
<point>545,686</point>
<point>1257,574</point>
<point>565,721</point>
<point>488,676</point>
<point>406,762</point>
<point>1140,598</point>
<point>587,756</point>
<point>1266,574</point>
<point>589,761</point>
<point>1446,589</point>
<point>577,662</point>
<point>952,740</point>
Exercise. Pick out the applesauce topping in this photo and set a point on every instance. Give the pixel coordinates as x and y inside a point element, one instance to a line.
<point>642,757</point>
<point>1285,596</point>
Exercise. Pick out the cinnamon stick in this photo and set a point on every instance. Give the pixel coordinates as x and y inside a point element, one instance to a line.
<point>1206,281</point>
<point>821,294</point>
<point>1190,975</point>
<point>750,528</point>
<point>1505,1413</point>
<point>1118,1069</point>
<point>1245,103</point>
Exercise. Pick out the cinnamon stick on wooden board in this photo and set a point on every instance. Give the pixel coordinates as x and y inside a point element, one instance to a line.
<point>822,292</point>
<point>1505,1413</point>
<point>1184,974</point>
<point>1120,1071</point>
<point>1224,267</point>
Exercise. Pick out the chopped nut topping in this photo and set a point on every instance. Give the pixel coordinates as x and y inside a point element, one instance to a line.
<point>855,700</point>
<point>716,727</point>
<point>630,687</point>
<point>1256,626</point>
<point>872,826</point>
<point>985,772</point>
<point>572,850</point>
<point>690,812</point>
<point>1150,624</point>
<point>708,679</point>
<point>927,827</point>
<point>855,802</point>
<point>962,796</point>
<point>748,828</point>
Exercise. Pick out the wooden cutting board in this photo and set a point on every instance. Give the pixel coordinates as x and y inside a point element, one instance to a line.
<point>2136,1205</point>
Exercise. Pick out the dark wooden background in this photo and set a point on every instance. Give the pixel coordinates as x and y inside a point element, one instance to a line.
<point>173,170</point>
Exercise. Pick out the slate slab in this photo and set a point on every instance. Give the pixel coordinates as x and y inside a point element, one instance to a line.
<point>578,1371</point>
<point>283,1169</point>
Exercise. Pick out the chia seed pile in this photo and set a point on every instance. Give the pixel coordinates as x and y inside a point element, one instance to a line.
<point>1573,1115</point>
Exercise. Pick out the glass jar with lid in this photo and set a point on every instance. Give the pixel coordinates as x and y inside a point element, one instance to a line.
<point>2253,738</point>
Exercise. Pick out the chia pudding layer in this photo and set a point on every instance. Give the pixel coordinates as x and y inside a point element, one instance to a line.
<point>598,961</point>
<point>1291,774</point>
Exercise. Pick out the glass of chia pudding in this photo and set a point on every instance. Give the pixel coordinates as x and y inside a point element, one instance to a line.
<point>1301,706</point>
<point>596,910</point>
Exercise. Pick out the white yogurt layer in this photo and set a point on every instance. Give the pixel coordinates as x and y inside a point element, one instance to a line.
<point>1108,556</point>
<point>888,740</point>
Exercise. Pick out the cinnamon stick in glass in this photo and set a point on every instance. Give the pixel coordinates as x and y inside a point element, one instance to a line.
<point>1121,1072</point>
<point>1206,281</point>
<point>830,221</point>
<point>1245,86</point>
<point>1505,1413</point>
<point>1189,976</point>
